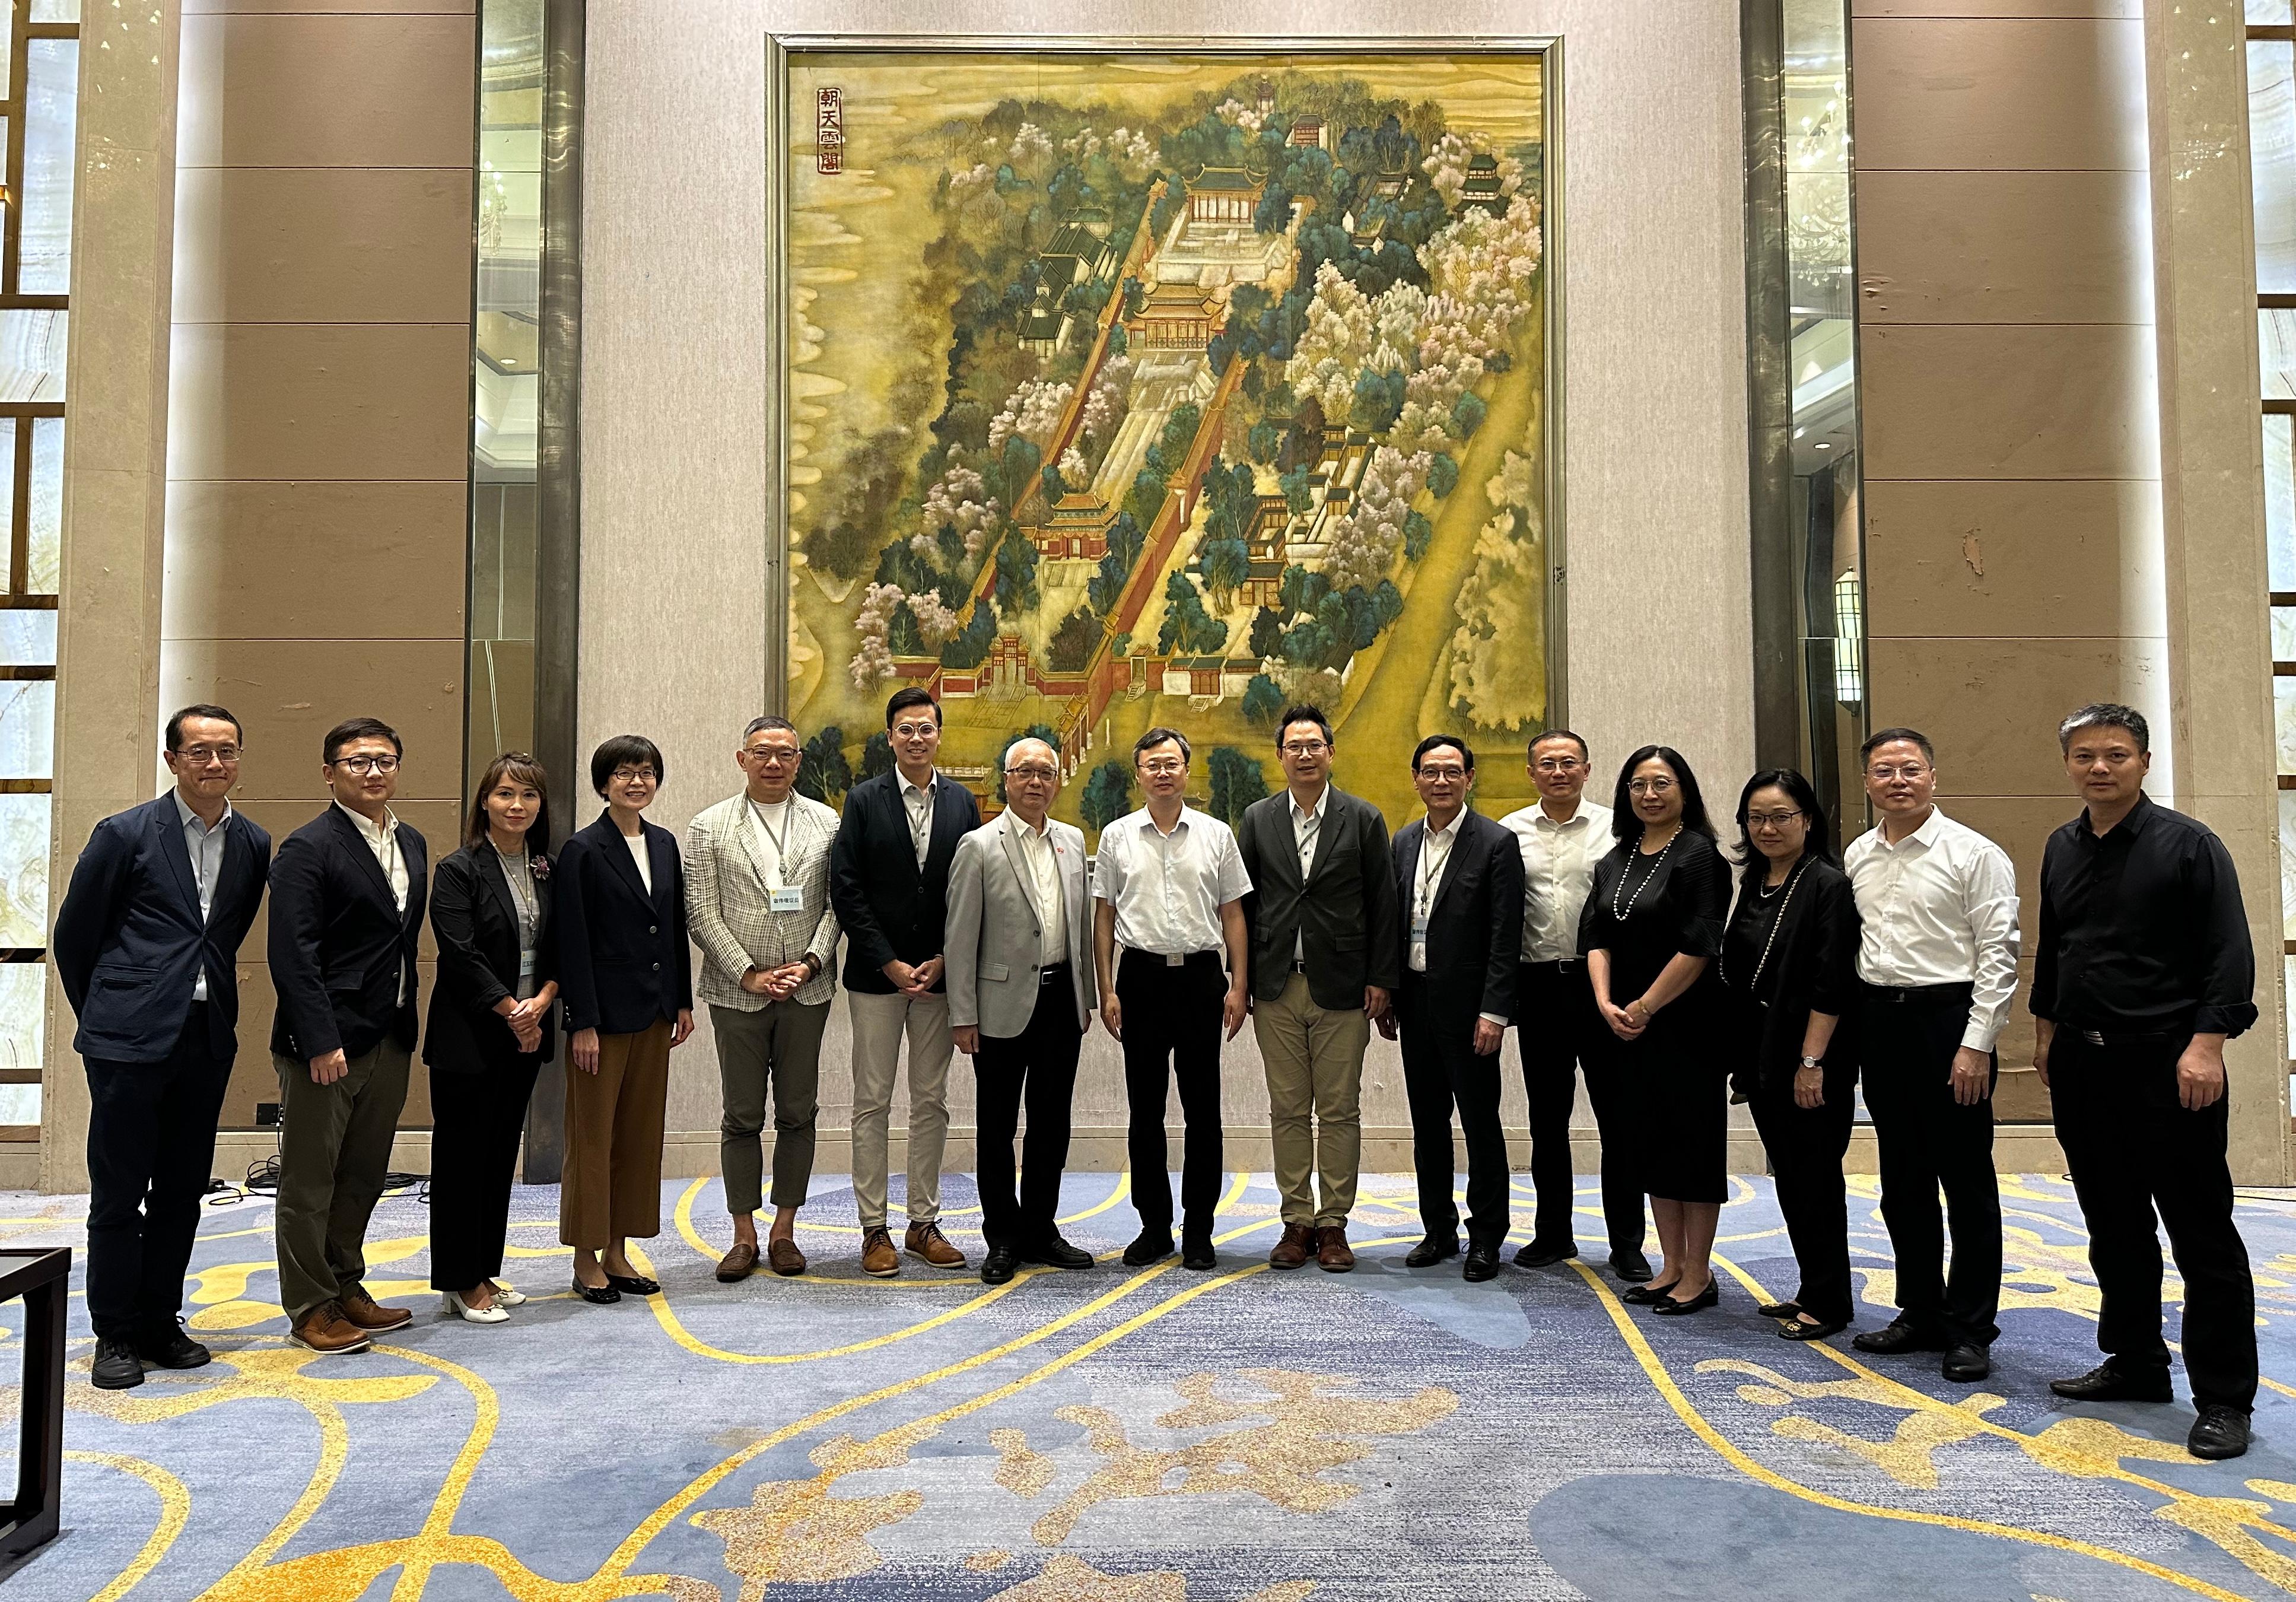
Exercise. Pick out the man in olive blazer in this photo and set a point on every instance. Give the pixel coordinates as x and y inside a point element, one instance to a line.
<point>1325,956</point>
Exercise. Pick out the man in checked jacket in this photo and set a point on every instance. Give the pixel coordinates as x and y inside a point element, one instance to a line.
<point>757,902</point>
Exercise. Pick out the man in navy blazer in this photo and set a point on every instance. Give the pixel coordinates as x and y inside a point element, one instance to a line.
<point>159,901</point>
<point>346,901</point>
<point>889,883</point>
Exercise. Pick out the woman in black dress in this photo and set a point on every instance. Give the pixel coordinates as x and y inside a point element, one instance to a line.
<point>491,1028</point>
<point>1789,973</point>
<point>1651,928</point>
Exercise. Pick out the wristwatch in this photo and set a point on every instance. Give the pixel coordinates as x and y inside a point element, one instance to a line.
<point>1812,1062</point>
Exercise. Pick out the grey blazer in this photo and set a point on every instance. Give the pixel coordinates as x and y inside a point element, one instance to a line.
<point>729,912</point>
<point>993,943</point>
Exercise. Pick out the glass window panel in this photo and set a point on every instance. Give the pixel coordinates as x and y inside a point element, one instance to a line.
<point>2283,718</point>
<point>28,639</point>
<point>2280,502</point>
<point>68,11</point>
<point>2266,12</point>
<point>23,871</point>
<point>23,1015</point>
<point>2288,989</point>
<point>27,728</point>
<point>2284,634</point>
<point>2275,341</point>
<point>47,506</point>
<point>32,355</point>
<point>2288,866</point>
<point>51,98</point>
<point>19,1105</point>
<point>2272,160</point>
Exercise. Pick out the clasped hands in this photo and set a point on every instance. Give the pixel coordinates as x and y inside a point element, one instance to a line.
<point>915,980</point>
<point>1628,1022</point>
<point>777,984</point>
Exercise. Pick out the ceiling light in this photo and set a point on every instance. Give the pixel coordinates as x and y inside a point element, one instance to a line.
<point>1822,444</point>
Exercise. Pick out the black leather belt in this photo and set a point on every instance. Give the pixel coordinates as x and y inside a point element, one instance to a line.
<point>1568,965</point>
<point>1058,974</point>
<point>2106,1037</point>
<point>1899,994</point>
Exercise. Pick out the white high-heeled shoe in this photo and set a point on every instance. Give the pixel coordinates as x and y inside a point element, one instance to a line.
<point>464,1311</point>
<point>504,1296</point>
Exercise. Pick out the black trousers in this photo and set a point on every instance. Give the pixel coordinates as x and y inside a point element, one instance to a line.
<point>1440,1071</point>
<point>2134,1151</point>
<point>151,1148</point>
<point>476,1121</point>
<point>1930,1141</point>
<point>1806,1145</point>
<point>1039,1063</point>
<point>1172,1035</point>
<point>1557,1008</point>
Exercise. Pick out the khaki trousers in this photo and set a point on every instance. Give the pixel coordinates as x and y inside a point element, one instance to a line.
<point>335,1149</point>
<point>1314,1060</point>
<point>777,1047</point>
<point>611,1186</point>
<point>879,1024</point>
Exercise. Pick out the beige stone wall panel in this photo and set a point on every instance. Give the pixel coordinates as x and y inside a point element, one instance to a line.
<point>315,400</point>
<point>314,244</point>
<point>328,89</point>
<point>2002,246</point>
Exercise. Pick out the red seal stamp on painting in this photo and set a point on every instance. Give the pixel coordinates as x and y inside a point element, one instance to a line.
<point>829,130</point>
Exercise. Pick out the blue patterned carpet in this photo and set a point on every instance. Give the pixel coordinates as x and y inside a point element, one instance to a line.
<point>1151,1436</point>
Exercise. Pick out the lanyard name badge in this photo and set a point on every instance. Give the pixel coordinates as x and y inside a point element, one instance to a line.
<point>1422,901</point>
<point>786,898</point>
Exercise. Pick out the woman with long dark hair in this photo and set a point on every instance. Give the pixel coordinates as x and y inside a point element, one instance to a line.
<point>1651,931</point>
<point>1789,973</point>
<point>491,1028</point>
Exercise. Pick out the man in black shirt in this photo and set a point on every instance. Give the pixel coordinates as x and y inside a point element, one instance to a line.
<point>2145,970</point>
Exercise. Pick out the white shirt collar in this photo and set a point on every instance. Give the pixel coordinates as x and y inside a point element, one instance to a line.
<point>187,818</point>
<point>1179,824</point>
<point>1448,830</point>
<point>1323,801</point>
<point>925,789</point>
<point>1579,817</point>
<point>373,832</point>
<point>1927,834</point>
<point>1043,831</point>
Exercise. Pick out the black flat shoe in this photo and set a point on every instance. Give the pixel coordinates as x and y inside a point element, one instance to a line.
<point>1643,1296</point>
<point>2221,1431</point>
<point>1196,1252</point>
<point>1901,1335</point>
<point>1780,1310</point>
<point>2109,1382</point>
<point>996,1267</point>
<point>1667,1307</point>
<point>634,1285</point>
<point>1056,1253</point>
<point>1796,1330</point>
<point>1430,1250</point>
<point>600,1294</point>
<point>1630,1266</point>
<point>171,1348</point>
<point>1151,1246</point>
<point>1539,1255</point>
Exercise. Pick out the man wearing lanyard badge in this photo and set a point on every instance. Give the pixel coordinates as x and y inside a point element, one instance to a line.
<point>757,902</point>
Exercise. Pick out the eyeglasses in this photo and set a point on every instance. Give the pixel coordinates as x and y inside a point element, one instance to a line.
<point>1036,771</point>
<point>626,775</point>
<point>1164,768</point>
<point>1649,786</point>
<point>914,731</point>
<point>1910,772</point>
<point>208,756</point>
<point>1770,820</point>
<point>1558,764</point>
<point>771,755</point>
<point>1442,776</point>
<point>1306,748</point>
<point>362,766</point>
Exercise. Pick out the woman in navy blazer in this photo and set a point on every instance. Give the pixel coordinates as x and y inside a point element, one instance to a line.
<point>491,1029</point>
<point>626,975</point>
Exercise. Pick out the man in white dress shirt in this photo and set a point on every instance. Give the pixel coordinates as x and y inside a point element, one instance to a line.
<point>1562,838</point>
<point>1937,959</point>
<point>1169,886</point>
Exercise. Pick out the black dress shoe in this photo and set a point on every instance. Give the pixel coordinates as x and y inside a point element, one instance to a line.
<point>1643,1296</point>
<point>1967,1362</point>
<point>996,1267</point>
<point>1903,1334</point>
<point>1630,1265</point>
<point>2108,1382</point>
<point>2221,1431</point>
<point>1433,1249</point>
<point>117,1367</point>
<point>1482,1263</point>
<point>171,1348</point>
<point>1151,1244</point>
<point>1667,1307</point>
<point>600,1294</point>
<point>635,1285</point>
<point>1539,1255</point>
<point>1057,1253</point>
<point>1796,1330</point>
<point>1196,1252</point>
<point>1780,1310</point>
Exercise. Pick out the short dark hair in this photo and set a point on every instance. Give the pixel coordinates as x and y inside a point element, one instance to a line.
<point>1818,843</point>
<point>1626,826</point>
<point>1157,736</point>
<point>632,749</point>
<point>758,726</point>
<point>911,696</point>
<point>519,767</point>
<point>201,709</point>
<point>1883,737</point>
<point>1303,712</point>
<point>2106,714</point>
<point>357,728</point>
<point>1432,741</point>
<point>1545,735</point>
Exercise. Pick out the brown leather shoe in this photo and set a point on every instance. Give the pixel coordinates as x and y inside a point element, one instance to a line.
<point>365,1313</point>
<point>1332,1254</point>
<point>324,1330</point>
<point>878,1257</point>
<point>784,1258</point>
<point>927,1241</point>
<point>1291,1251</point>
<point>737,1263</point>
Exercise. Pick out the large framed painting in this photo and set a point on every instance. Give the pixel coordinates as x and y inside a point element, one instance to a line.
<point>1167,383</point>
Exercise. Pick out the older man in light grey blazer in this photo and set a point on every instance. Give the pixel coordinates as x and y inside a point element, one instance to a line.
<point>1020,995</point>
<point>756,893</point>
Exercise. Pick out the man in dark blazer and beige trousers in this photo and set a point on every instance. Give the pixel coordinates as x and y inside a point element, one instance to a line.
<point>1324,959</point>
<point>1021,994</point>
<point>346,899</point>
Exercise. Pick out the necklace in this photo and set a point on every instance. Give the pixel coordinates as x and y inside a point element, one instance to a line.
<point>1761,962</point>
<point>1657,862</point>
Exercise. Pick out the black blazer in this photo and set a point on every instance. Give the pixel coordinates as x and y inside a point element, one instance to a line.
<point>1474,930</point>
<point>1812,968</point>
<point>890,909</point>
<point>130,944</point>
<point>339,943</point>
<point>474,918</point>
<point>1346,909</point>
<point>622,956</point>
